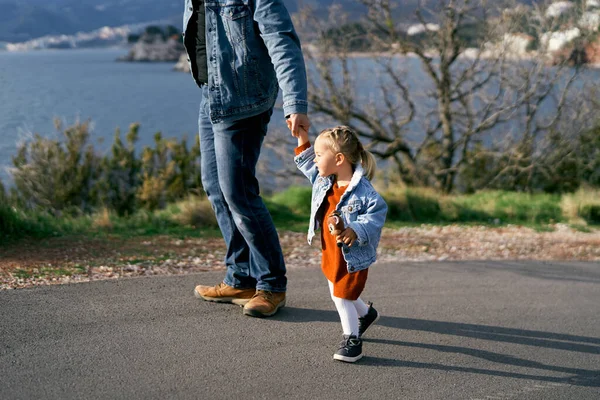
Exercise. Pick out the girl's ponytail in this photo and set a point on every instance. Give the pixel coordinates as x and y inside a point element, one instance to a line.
<point>368,163</point>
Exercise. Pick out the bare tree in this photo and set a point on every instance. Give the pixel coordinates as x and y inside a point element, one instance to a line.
<point>479,94</point>
<point>548,90</point>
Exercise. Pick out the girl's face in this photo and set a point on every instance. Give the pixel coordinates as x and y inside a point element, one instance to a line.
<point>325,158</point>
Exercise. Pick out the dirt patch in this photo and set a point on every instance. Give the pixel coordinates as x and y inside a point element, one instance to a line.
<point>81,259</point>
<point>485,243</point>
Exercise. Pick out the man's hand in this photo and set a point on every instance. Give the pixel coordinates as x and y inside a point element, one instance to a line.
<point>348,236</point>
<point>298,123</point>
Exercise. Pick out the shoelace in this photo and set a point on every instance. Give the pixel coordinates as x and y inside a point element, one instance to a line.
<point>220,287</point>
<point>348,342</point>
<point>263,293</point>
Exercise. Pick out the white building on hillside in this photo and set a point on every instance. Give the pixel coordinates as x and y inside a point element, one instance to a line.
<point>590,20</point>
<point>420,28</point>
<point>592,4</point>
<point>516,43</point>
<point>557,40</point>
<point>558,8</point>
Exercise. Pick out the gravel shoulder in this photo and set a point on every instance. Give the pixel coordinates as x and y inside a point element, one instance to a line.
<point>82,259</point>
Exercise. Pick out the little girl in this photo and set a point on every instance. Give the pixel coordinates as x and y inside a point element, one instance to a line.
<point>340,170</point>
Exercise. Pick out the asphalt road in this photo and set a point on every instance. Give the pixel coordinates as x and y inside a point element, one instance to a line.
<point>450,330</point>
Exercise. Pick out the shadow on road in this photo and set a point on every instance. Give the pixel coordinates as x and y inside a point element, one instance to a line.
<point>547,270</point>
<point>589,378</point>
<point>558,341</point>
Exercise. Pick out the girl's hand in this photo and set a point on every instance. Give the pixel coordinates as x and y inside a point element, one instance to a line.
<point>348,236</point>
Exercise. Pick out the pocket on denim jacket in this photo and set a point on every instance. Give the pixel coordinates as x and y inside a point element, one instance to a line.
<point>235,21</point>
<point>351,210</point>
<point>234,18</point>
<point>235,12</point>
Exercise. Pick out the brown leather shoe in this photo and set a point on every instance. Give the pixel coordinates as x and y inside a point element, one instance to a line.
<point>264,304</point>
<point>223,293</point>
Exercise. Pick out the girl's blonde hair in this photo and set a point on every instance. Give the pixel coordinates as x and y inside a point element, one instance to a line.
<point>343,139</point>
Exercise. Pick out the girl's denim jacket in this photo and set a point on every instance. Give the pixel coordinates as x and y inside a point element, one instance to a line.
<point>362,208</point>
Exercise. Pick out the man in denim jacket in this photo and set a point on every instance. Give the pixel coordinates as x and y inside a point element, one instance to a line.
<point>240,53</point>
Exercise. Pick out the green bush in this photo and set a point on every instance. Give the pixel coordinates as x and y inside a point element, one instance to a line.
<point>414,205</point>
<point>15,224</point>
<point>195,212</point>
<point>3,198</point>
<point>10,224</point>
<point>118,177</point>
<point>426,205</point>
<point>582,206</point>
<point>589,154</point>
<point>68,176</point>
<point>590,213</point>
<point>398,209</point>
<point>511,207</point>
<point>169,172</point>
<point>296,198</point>
<point>54,175</point>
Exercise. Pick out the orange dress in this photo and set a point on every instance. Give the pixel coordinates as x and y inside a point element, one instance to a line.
<point>346,285</point>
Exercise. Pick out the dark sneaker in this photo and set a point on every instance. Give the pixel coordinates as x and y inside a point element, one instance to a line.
<point>264,304</point>
<point>365,322</point>
<point>223,293</point>
<point>350,349</point>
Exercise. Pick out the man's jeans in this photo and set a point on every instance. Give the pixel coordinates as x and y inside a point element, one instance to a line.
<point>229,153</point>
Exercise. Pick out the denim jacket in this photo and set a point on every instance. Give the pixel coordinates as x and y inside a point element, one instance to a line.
<point>252,47</point>
<point>362,209</point>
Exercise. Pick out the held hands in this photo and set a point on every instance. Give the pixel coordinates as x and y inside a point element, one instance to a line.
<point>299,124</point>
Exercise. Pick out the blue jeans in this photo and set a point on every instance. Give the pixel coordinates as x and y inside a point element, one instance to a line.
<point>229,153</point>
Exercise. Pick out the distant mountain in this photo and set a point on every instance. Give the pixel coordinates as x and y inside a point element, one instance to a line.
<point>24,20</point>
<point>21,21</point>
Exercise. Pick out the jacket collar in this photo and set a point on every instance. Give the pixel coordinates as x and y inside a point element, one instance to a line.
<point>356,177</point>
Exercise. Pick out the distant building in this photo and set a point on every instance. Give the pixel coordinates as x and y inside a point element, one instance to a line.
<point>592,4</point>
<point>555,41</point>
<point>420,28</point>
<point>517,43</point>
<point>590,20</point>
<point>558,8</point>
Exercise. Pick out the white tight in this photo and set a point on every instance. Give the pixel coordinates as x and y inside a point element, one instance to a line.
<point>350,311</point>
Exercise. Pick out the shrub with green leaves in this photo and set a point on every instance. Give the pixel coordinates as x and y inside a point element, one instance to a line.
<point>68,175</point>
<point>2,193</point>
<point>118,178</point>
<point>296,198</point>
<point>169,172</point>
<point>55,175</point>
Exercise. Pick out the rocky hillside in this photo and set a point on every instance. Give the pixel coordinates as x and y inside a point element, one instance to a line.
<point>24,20</point>
<point>155,44</point>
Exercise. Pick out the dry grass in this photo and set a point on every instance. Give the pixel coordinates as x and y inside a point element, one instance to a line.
<point>581,207</point>
<point>196,212</point>
<point>103,220</point>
